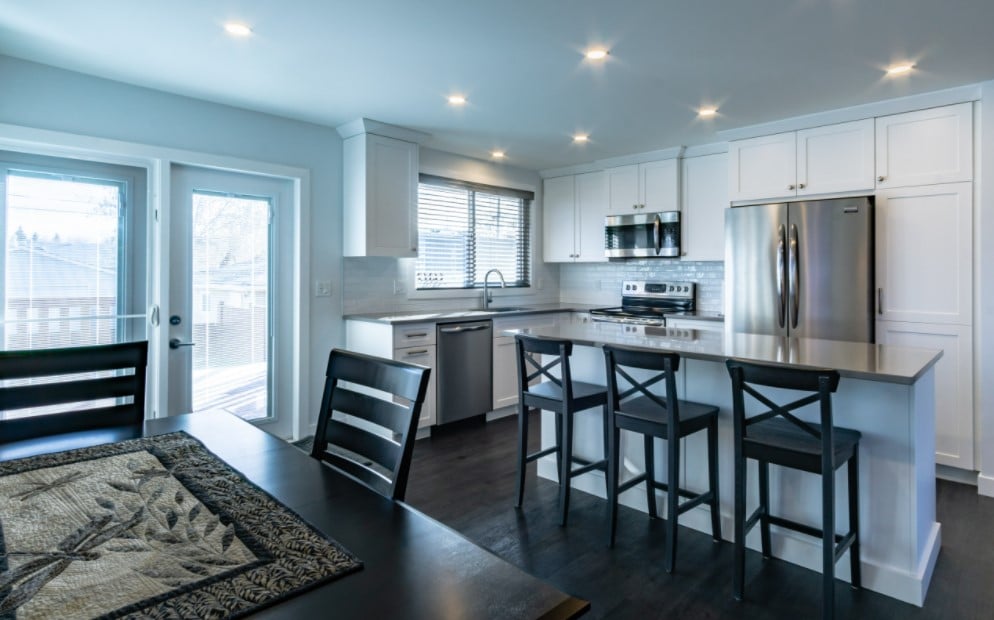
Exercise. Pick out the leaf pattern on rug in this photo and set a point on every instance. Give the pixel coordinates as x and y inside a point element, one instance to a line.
<point>187,522</point>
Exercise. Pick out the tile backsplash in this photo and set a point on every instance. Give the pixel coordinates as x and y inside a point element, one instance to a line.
<point>375,285</point>
<point>600,283</point>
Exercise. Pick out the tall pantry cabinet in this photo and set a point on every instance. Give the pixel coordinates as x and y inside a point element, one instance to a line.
<point>924,247</point>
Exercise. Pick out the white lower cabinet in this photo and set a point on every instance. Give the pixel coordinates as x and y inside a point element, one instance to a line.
<point>953,383</point>
<point>505,361</point>
<point>413,343</point>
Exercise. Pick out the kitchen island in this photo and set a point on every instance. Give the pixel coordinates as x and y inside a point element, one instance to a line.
<point>886,392</point>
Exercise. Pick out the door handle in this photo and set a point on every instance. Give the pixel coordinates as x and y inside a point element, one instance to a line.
<point>657,236</point>
<point>781,276</point>
<point>795,298</point>
<point>880,301</point>
<point>456,330</point>
<point>175,343</point>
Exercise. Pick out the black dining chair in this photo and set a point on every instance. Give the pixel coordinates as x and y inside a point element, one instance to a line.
<point>96,386</point>
<point>635,405</point>
<point>539,388</point>
<point>777,436</point>
<point>368,419</point>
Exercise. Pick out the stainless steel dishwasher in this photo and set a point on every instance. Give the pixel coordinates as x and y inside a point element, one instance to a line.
<point>465,370</point>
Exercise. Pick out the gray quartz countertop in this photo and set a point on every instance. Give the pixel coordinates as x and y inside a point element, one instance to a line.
<point>875,362</point>
<point>499,310</point>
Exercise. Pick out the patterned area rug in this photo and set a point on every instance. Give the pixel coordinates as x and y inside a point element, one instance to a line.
<point>150,528</point>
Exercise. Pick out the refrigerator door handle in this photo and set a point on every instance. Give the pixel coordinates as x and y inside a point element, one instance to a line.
<point>795,298</point>
<point>781,275</point>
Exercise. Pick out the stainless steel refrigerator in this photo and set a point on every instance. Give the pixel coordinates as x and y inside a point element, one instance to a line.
<point>802,269</point>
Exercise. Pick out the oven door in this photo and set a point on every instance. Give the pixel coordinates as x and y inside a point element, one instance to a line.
<point>653,235</point>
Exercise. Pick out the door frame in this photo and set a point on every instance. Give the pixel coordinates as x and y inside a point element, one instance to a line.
<point>158,161</point>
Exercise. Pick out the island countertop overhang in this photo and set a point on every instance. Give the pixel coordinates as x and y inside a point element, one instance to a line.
<point>873,362</point>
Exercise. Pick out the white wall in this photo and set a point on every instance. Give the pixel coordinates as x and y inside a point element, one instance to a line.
<point>43,97</point>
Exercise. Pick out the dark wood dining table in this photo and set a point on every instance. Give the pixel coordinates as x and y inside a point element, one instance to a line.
<point>413,566</point>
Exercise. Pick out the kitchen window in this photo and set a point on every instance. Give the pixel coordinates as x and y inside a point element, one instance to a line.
<point>466,229</point>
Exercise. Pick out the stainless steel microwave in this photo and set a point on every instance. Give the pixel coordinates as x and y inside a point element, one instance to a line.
<point>642,235</point>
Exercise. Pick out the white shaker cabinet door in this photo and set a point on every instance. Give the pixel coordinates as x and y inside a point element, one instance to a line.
<point>659,186</point>
<point>762,168</point>
<point>705,200</point>
<point>623,189</point>
<point>835,158</point>
<point>591,208</point>
<point>558,226</point>
<point>925,147</point>
<point>924,254</point>
<point>953,383</point>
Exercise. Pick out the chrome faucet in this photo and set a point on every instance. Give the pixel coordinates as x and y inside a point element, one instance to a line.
<point>487,295</point>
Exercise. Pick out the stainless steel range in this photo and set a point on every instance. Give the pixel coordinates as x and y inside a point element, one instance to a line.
<point>648,303</point>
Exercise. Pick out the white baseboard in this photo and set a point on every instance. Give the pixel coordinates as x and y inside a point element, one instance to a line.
<point>955,474</point>
<point>985,485</point>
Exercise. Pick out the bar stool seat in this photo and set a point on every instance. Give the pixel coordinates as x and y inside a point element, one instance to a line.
<point>776,436</point>
<point>539,388</point>
<point>633,407</point>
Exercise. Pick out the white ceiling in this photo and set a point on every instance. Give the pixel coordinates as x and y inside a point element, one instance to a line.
<point>519,62</point>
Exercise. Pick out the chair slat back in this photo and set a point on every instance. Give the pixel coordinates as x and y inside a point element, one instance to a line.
<point>533,368</point>
<point>368,419</point>
<point>69,368</point>
<point>623,386</point>
<point>820,382</point>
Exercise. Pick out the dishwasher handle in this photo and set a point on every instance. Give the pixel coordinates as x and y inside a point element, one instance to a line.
<point>456,330</point>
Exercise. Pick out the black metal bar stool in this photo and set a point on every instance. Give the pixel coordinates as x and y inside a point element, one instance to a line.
<point>777,436</point>
<point>561,395</point>
<point>635,408</point>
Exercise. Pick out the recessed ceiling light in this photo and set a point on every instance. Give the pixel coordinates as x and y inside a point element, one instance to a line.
<point>900,69</point>
<point>497,154</point>
<point>236,29</point>
<point>457,100</point>
<point>581,137</point>
<point>707,112</point>
<point>596,53</point>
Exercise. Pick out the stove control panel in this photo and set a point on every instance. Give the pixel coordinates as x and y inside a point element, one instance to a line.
<point>679,290</point>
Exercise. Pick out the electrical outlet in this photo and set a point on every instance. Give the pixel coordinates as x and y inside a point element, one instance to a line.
<point>398,287</point>
<point>322,288</point>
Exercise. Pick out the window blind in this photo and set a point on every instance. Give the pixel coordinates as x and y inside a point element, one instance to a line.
<point>464,230</point>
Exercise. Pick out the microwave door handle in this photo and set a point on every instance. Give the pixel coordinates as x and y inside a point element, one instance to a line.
<point>781,276</point>
<point>795,296</point>
<point>657,236</point>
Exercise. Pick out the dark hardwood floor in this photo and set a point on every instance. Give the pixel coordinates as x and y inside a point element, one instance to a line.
<point>464,477</point>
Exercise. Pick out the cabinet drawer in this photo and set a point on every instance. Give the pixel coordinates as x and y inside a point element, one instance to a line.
<point>425,356</point>
<point>417,334</point>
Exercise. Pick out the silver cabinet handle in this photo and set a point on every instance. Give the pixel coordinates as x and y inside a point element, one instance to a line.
<point>781,276</point>
<point>795,299</point>
<point>417,335</point>
<point>175,343</point>
<point>880,179</point>
<point>414,353</point>
<point>800,186</point>
<point>791,186</point>
<point>880,301</point>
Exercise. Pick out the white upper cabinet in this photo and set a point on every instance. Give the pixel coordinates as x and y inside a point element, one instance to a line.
<point>762,168</point>
<point>835,158</point>
<point>925,147</point>
<point>573,210</point>
<point>822,160</point>
<point>649,187</point>
<point>558,225</point>
<point>705,200</point>
<point>381,196</point>
<point>924,254</point>
<point>591,208</point>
